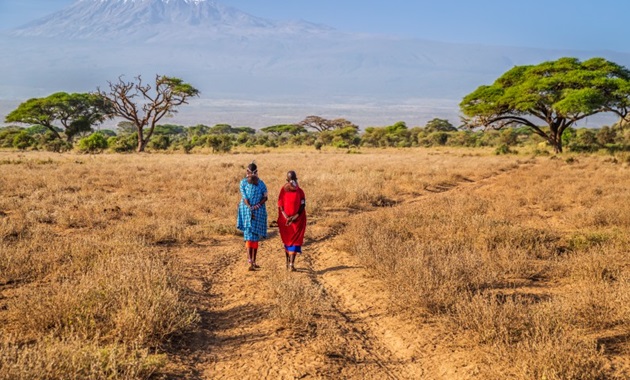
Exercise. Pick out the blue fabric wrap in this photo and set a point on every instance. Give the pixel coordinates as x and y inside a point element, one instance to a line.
<point>293,248</point>
<point>254,229</point>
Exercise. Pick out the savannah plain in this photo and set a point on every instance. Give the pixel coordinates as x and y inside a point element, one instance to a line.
<point>419,263</point>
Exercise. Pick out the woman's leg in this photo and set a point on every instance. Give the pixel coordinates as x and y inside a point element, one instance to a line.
<point>252,250</point>
<point>292,261</point>
<point>250,257</point>
<point>251,245</point>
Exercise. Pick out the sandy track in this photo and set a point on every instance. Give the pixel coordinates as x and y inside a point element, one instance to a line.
<point>364,338</point>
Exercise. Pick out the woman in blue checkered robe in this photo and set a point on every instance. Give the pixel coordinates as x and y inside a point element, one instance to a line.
<point>252,213</point>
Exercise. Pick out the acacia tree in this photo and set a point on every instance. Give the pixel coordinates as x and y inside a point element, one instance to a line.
<point>75,112</point>
<point>439,125</point>
<point>154,102</point>
<point>557,93</point>
<point>321,124</point>
<point>290,129</point>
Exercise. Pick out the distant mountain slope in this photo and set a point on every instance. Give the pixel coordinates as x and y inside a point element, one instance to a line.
<point>229,54</point>
<point>139,20</point>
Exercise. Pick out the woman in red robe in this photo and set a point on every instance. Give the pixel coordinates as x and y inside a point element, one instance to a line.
<point>292,218</point>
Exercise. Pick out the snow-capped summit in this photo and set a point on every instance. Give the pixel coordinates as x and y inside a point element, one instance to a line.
<point>154,19</point>
<point>229,54</point>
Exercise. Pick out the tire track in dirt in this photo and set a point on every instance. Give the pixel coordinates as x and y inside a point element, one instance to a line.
<point>406,347</point>
<point>358,335</point>
<point>403,347</point>
<point>233,328</point>
<point>238,336</point>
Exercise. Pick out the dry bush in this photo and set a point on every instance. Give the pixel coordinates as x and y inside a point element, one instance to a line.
<point>600,291</point>
<point>133,299</point>
<point>437,252</point>
<point>75,358</point>
<point>552,349</point>
<point>598,305</point>
<point>492,319</point>
<point>536,338</point>
<point>595,262</point>
<point>297,300</point>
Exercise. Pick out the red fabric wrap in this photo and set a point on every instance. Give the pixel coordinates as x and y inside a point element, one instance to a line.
<point>290,202</point>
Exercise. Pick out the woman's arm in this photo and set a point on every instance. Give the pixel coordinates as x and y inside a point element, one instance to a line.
<point>284,214</point>
<point>243,195</point>
<point>264,197</point>
<point>300,210</point>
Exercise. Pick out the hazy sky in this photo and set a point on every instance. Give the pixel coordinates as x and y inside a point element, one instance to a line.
<point>571,24</point>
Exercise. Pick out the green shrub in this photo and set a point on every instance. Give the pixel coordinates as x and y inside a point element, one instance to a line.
<point>51,143</point>
<point>159,142</point>
<point>126,143</point>
<point>23,140</point>
<point>219,143</point>
<point>340,143</point>
<point>438,138</point>
<point>7,135</point>
<point>57,146</point>
<point>508,137</point>
<point>187,146</point>
<point>503,149</point>
<point>94,143</point>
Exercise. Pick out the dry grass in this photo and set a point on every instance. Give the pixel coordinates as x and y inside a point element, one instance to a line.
<point>75,358</point>
<point>297,301</point>
<point>532,264</point>
<point>85,244</point>
<point>84,262</point>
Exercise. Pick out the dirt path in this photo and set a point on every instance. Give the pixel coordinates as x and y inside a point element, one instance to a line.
<point>358,334</point>
<point>239,337</point>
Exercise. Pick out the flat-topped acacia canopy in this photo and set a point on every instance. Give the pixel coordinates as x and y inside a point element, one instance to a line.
<point>558,93</point>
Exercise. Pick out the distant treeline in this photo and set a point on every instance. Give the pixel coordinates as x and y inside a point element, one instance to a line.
<point>313,132</point>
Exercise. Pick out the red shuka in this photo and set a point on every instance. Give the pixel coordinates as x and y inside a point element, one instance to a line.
<point>290,200</point>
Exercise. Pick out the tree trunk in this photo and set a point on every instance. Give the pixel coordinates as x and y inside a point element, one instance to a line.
<point>141,145</point>
<point>141,140</point>
<point>557,148</point>
<point>53,130</point>
<point>555,140</point>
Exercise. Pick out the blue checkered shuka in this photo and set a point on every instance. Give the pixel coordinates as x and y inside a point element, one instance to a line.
<point>252,223</point>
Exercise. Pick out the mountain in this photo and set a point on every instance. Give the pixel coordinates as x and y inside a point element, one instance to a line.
<point>252,71</point>
<point>155,20</point>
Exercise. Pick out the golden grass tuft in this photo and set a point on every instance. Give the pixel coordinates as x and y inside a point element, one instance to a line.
<point>297,301</point>
<point>76,358</point>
